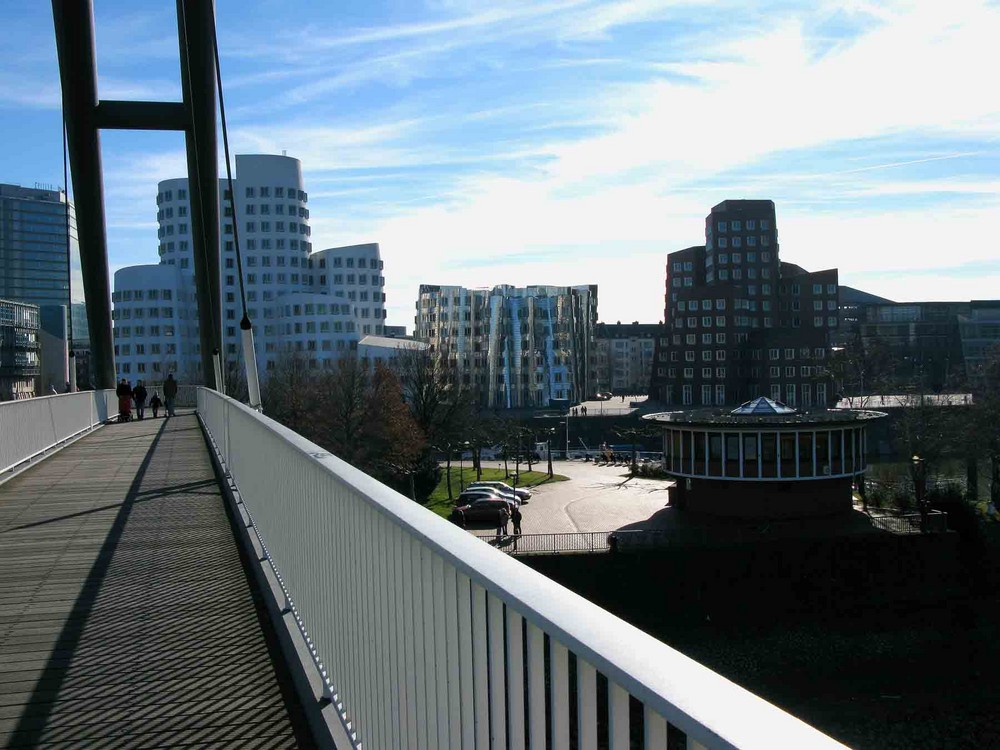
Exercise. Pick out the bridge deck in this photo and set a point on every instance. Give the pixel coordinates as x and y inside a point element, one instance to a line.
<point>126,617</point>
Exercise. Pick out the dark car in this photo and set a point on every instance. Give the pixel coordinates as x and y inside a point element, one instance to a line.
<point>482,509</point>
<point>474,493</point>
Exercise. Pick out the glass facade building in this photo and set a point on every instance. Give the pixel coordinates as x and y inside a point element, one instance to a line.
<point>33,245</point>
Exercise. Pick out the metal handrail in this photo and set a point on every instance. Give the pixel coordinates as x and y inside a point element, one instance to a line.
<point>425,631</point>
<point>31,427</point>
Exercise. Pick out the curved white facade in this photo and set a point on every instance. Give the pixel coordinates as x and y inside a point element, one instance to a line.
<point>155,322</point>
<point>318,304</point>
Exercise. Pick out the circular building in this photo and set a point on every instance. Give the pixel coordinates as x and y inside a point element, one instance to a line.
<point>764,459</point>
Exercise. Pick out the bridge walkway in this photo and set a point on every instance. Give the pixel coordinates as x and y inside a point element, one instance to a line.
<point>127,618</point>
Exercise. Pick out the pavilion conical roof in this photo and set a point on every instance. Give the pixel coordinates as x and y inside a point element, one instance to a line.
<point>760,407</point>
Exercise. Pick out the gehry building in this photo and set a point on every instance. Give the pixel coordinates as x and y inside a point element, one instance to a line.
<point>515,347</point>
<point>740,322</point>
<point>314,305</point>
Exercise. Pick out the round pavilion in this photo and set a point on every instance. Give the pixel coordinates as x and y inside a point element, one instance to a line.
<point>765,459</point>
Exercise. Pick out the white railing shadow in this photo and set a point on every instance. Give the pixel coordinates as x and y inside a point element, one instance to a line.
<point>432,639</point>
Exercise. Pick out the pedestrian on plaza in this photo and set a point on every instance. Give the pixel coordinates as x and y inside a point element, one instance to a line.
<point>139,395</point>
<point>155,404</point>
<point>502,522</point>
<point>170,394</point>
<point>584,410</point>
<point>124,393</point>
<point>516,518</point>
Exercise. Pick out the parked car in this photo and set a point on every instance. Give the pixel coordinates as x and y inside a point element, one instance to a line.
<point>522,494</point>
<point>487,492</point>
<point>483,509</point>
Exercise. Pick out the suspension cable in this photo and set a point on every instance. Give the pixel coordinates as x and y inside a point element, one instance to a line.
<point>246,327</point>
<point>69,262</point>
<point>229,174</point>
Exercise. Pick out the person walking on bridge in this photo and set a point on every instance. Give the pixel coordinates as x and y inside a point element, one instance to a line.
<point>139,395</point>
<point>170,394</point>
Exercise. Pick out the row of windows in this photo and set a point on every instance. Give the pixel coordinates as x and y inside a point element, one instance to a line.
<point>128,295</point>
<point>124,332</point>
<point>265,210</point>
<point>737,225</point>
<point>168,213</point>
<point>168,195</point>
<point>265,226</point>
<point>138,312</point>
<point>372,263</point>
<point>751,241</point>
<point>264,191</point>
<point>737,258</point>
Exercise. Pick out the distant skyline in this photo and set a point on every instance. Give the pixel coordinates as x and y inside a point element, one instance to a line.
<point>569,141</point>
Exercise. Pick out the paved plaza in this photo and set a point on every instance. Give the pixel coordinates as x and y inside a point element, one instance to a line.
<point>596,498</point>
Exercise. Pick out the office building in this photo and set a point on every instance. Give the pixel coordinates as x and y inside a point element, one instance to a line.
<point>514,347</point>
<point>624,356</point>
<point>313,305</point>
<point>916,343</point>
<point>19,355</point>
<point>33,262</point>
<point>739,322</point>
<point>979,330</point>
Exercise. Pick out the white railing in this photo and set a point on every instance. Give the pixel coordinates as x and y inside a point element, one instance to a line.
<point>432,639</point>
<point>32,426</point>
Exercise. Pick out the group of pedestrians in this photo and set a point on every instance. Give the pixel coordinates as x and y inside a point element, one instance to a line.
<point>127,395</point>
<point>503,524</point>
<point>578,411</point>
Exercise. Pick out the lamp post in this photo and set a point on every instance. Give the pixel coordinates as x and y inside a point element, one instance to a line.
<point>919,472</point>
<point>461,465</point>
<point>548,444</point>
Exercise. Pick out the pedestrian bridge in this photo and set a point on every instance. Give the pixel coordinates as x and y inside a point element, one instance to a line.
<point>215,579</point>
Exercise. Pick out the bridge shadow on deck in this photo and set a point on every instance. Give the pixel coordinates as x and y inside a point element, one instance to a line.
<point>126,616</point>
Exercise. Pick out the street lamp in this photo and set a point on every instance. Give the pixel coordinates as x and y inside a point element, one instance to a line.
<point>918,470</point>
<point>461,465</point>
<point>548,448</point>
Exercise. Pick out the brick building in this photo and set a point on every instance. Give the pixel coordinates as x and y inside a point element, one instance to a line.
<point>739,322</point>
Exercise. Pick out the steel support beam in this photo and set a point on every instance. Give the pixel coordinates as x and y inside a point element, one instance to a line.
<point>118,115</point>
<point>74,28</point>
<point>195,21</point>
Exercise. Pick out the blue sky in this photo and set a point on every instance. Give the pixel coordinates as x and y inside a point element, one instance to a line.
<point>570,141</point>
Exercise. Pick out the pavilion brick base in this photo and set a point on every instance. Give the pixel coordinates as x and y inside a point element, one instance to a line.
<point>761,499</point>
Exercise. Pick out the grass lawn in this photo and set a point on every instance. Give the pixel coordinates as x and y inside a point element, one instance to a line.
<point>440,504</point>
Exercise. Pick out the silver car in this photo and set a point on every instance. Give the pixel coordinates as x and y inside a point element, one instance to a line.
<point>522,494</point>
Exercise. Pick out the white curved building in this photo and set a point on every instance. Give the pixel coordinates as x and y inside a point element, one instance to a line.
<point>316,304</point>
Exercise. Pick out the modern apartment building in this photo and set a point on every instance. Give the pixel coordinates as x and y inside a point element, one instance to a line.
<point>624,356</point>
<point>515,347</point>
<point>19,350</point>
<point>315,305</point>
<point>740,323</point>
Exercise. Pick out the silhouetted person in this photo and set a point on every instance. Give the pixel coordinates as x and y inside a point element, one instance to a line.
<point>170,394</point>
<point>139,395</point>
<point>155,404</point>
<point>515,516</point>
